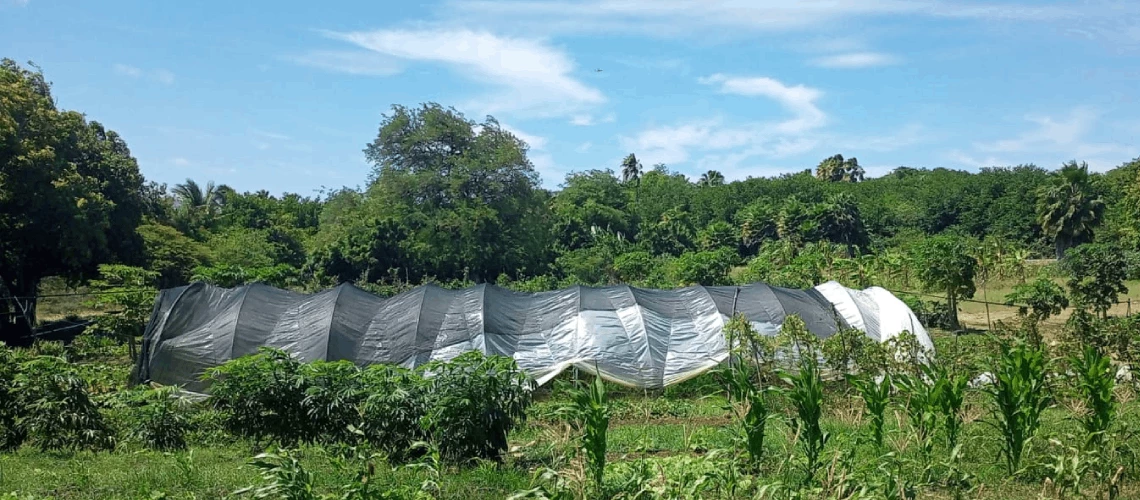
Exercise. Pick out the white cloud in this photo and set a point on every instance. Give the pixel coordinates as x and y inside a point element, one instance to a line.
<point>584,147</point>
<point>180,162</point>
<point>160,75</point>
<point>536,143</point>
<point>855,60</point>
<point>530,75</point>
<point>728,17</point>
<point>270,135</point>
<point>1050,141</point>
<point>800,100</point>
<point>582,120</point>
<point>550,172</point>
<point>1049,134</point>
<point>358,62</point>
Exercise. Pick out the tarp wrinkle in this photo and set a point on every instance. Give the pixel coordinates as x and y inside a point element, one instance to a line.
<point>633,336</point>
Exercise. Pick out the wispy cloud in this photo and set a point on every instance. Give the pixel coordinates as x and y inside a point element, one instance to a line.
<point>855,60</point>
<point>726,17</point>
<point>798,99</point>
<point>159,75</point>
<point>1049,140</point>
<point>180,162</point>
<point>536,143</point>
<point>353,62</point>
<point>530,75</point>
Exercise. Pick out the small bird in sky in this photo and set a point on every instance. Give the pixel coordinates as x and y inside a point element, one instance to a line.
<point>597,71</point>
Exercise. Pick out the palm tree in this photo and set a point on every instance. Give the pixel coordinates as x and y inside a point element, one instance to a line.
<point>1067,208</point>
<point>631,172</point>
<point>197,204</point>
<point>836,169</point>
<point>711,178</point>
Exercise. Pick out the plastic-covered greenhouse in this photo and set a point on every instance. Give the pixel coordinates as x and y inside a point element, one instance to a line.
<point>638,337</point>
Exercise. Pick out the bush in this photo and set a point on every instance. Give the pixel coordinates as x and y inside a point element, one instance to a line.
<point>161,423</point>
<point>11,407</point>
<point>390,413</point>
<point>474,402</point>
<point>332,394</point>
<point>58,413</point>
<point>262,396</point>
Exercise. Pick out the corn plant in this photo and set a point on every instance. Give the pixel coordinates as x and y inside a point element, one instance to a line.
<point>950,391</point>
<point>591,413</point>
<point>876,396</point>
<point>1095,382</point>
<point>922,408</point>
<point>743,389</point>
<point>806,396</point>
<point>1020,396</point>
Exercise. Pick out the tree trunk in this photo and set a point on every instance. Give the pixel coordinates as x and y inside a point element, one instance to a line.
<point>1059,246</point>
<point>952,301</point>
<point>22,305</point>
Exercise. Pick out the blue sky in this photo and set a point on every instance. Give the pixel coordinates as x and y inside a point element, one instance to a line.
<point>284,95</point>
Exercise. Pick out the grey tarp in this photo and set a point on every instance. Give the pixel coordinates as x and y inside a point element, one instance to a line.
<point>634,336</point>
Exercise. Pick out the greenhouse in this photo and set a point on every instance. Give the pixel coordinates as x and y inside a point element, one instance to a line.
<point>633,336</point>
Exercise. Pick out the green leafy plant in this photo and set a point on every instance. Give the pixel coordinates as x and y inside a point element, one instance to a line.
<point>262,396</point>
<point>1020,396</point>
<point>1095,382</point>
<point>922,397</point>
<point>58,412</point>
<point>876,397</point>
<point>806,397</point>
<point>751,407</point>
<point>394,402</point>
<point>332,397</point>
<point>591,412</point>
<point>162,422</point>
<point>12,434</point>
<point>1037,301</point>
<point>951,393</point>
<point>474,402</point>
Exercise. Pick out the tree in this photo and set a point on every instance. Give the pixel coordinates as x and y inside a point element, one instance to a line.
<point>711,178</point>
<point>945,264</point>
<point>196,207</point>
<point>757,223</point>
<point>464,193</point>
<point>717,235</point>
<point>69,191</point>
<point>589,199</point>
<point>840,221</point>
<point>631,174</point>
<point>1068,209</point>
<point>171,254</point>
<point>703,267</point>
<point>837,169</point>
<point>1037,301</point>
<point>127,293</point>
<point>1096,276</point>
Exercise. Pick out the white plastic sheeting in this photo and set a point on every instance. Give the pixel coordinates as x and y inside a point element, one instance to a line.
<point>633,336</point>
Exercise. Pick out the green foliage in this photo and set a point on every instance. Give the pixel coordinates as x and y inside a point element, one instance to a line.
<point>944,264</point>
<point>279,275</point>
<point>475,401</point>
<point>703,268</point>
<point>950,389</point>
<point>58,413</point>
<point>394,402</point>
<point>752,408</point>
<point>12,405</point>
<point>1095,382</point>
<point>171,254</point>
<point>162,422</point>
<point>719,234</point>
<point>848,350</point>
<point>1068,209</point>
<point>1020,396</point>
<point>806,397</point>
<point>262,396</point>
<point>1037,301</point>
<point>70,190</point>
<point>1096,274</point>
<point>129,294</point>
<point>591,412</point>
<point>922,403</point>
<point>876,397</point>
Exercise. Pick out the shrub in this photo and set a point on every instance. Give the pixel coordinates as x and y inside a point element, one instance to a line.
<point>332,395</point>
<point>474,402</point>
<point>11,405</point>
<point>394,402</point>
<point>58,412</point>
<point>162,422</point>
<point>262,396</point>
